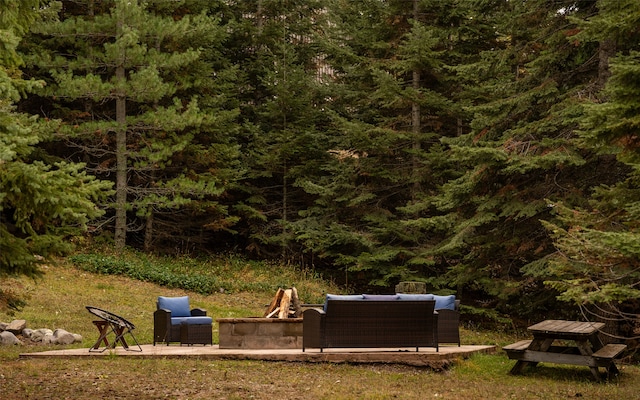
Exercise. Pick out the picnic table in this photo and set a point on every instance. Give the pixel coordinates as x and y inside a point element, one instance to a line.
<point>585,347</point>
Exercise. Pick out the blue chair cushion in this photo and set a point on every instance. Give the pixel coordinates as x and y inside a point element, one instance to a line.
<point>341,297</point>
<point>445,302</point>
<point>179,306</point>
<point>409,296</point>
<point>192,320</point>
<point>380,296</point>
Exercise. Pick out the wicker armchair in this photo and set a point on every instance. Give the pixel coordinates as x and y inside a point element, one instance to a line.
<point>175,321</point>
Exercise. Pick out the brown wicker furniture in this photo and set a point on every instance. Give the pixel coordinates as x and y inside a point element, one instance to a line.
<point>174,321</point>
<point>449,324</point>
<point>448,309</point>
<point>371,323</point>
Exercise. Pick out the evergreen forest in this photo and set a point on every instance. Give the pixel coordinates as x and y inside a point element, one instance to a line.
<point>489,148</point>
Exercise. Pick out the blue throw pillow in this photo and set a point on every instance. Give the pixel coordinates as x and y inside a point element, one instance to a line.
<point>445,302</point>
<point>409,296</point>
<point>341,297</point>
<point>179,306</point>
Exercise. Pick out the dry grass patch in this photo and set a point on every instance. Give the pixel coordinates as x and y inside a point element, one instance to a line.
<point>482,377</point>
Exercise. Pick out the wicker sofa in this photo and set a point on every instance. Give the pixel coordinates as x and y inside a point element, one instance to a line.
<point>371,323</point>
<point>175,321</point>
<point>447,307</point>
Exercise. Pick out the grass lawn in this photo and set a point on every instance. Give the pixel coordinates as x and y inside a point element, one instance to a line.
<point>58,301</point>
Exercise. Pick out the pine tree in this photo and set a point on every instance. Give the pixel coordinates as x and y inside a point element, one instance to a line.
<point>127,79</point>
<point>42,203</point>
<point>596,262</point>
<point>282,122</point>
<point>391,100</point>
<point>521,153</point>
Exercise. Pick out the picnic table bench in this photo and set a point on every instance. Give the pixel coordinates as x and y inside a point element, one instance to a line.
<point>587,348</point>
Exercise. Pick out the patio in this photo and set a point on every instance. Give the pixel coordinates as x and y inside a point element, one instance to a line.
<point>427,357</point>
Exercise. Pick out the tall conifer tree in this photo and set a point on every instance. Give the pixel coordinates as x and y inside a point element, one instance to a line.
<point>521,152</point>
<point>392,99</point>
<point>126,78</point>
<point>42,203</point>
<point>596,262</point>
<point>282,134</point>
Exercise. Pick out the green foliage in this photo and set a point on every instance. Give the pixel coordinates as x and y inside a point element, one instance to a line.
<point>283,127</point>
<point>157,61</point>
<point>144,272</point>
<point>525,96</point>
<point>390,65</point>
<point>224,274</point>
<point>42,204</point>
<point>593,264</point>
<point>597,244</point>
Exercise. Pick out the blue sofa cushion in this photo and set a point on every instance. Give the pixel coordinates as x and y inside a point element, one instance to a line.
<point>380,296</point>
<point>179,306</point>
<point>192,320</point>
<point>442,302</point>
<point>445,302</point>
<point>409,296</point>
<point>341,297</point>
<point>344,297</point>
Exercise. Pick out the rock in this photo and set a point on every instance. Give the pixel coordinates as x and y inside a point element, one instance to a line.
<point>38,334</point>
<point>45,336</point>
<point>8,338</point>
<point>60,336</point>
<point>48,339</point>
<point>16,326</point>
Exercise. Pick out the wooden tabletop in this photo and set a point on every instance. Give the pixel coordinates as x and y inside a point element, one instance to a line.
<point>577,328</point>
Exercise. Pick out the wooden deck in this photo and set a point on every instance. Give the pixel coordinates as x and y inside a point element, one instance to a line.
<point>424,358</point>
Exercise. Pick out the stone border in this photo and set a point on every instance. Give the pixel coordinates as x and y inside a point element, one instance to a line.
<point>8,332</point>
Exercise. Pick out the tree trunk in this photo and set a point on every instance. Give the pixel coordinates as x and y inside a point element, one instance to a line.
<point>284,212</point>
<point>148,230</point>
<point>259,17</point>
<point>415,119</point>
<point>606,51</point>
<point>121,155</point>
<point>415,129</point>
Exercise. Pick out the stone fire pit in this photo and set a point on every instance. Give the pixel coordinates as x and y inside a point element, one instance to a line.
<point>260,333</point>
